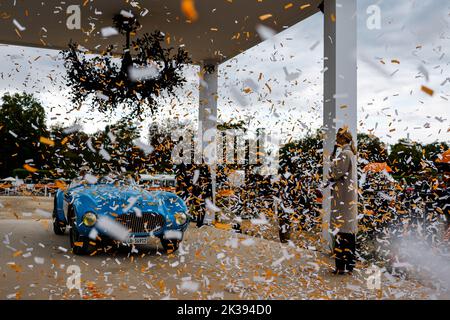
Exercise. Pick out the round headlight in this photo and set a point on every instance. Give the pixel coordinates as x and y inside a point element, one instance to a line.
<point>89,219</point>
<point>180,218</point>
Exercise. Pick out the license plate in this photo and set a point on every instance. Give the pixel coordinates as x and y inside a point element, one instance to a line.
<point>139,240</point>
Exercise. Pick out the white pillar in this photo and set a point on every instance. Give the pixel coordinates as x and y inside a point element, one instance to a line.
<point>207,112</point>
<point>340,83</point>
<point>207,123</point>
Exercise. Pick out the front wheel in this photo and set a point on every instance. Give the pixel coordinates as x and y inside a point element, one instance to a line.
<point>59,227</point>
<point>170,245</point>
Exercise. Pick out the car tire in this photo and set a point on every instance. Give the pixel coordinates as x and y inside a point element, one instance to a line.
<point>59,227</point>
<point>170,245</point>
<point>80,245</point>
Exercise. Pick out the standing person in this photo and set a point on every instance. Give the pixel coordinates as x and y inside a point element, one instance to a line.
<point>344,201</point>
<point>203,191</point>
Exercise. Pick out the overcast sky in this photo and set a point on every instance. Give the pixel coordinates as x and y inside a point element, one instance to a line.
<point>390,101</point>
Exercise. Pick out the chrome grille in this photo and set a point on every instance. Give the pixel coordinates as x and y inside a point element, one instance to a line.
<point>150,221</point>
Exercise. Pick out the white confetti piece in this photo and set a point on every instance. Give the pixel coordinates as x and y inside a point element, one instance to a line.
<point>109,31</point>
<point>18,25</point>
<point>101,96</point>
<point>126,14</point>
<point>131,202</point>
<point>248,242</point>
<point>173,234</point>
<point>211,206</point>
<point>112,228</point>
<point>143,73</point>
<point>105,155</point>
<point>93,234</point>
<point>196,176</point>
<point>72,129</point>
<point>91,179</point>
<point>190,286</point>
<point>264,32</point>
<point>144,147</point>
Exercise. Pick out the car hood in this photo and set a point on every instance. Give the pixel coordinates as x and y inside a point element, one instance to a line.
<point>106,198</point>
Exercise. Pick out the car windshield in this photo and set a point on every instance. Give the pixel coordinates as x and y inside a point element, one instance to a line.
<point>120,180</point>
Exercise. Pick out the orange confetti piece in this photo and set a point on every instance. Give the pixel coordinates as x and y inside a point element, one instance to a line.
<point>395,61</point>
<point>222,226</point>
<point>47,141</point>
<point>289,5</point>
<point>64,141</point>
<point>29,168</point>
<point>427,90</point>
<point>17,253</point>
<point>188,9</point>
<point>60,184</point>
<point>305,6</point>
<point>15,267</point>
<point>265,16</point>
<point>161,286</point>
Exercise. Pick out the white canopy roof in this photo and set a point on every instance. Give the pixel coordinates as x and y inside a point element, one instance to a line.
<point>224,28</point>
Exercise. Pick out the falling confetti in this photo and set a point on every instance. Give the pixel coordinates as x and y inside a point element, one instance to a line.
<point>427,90</point>
<point>189,10</point>
<point>47,141</point>
<point>265,16</point>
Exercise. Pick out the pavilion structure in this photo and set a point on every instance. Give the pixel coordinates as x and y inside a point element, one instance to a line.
<point>223,29</point>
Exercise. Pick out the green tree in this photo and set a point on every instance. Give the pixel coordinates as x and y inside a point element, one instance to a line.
<point>371,148</point>
<point>406,157</point>
<point>68,154</point>
<point>303,156</point>
<point>22,124</point>
<point>119,141</point>
<point>431,151</point>
<point>109,150</point>
<point>160,138</point>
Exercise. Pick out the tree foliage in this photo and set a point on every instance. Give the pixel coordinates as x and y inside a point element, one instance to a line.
<point>371,149</point>
<point>303,156</point>
<point>405,157</point>
<point>22,123</point>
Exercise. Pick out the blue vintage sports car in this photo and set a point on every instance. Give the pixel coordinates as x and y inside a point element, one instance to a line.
<point>114,211</point>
